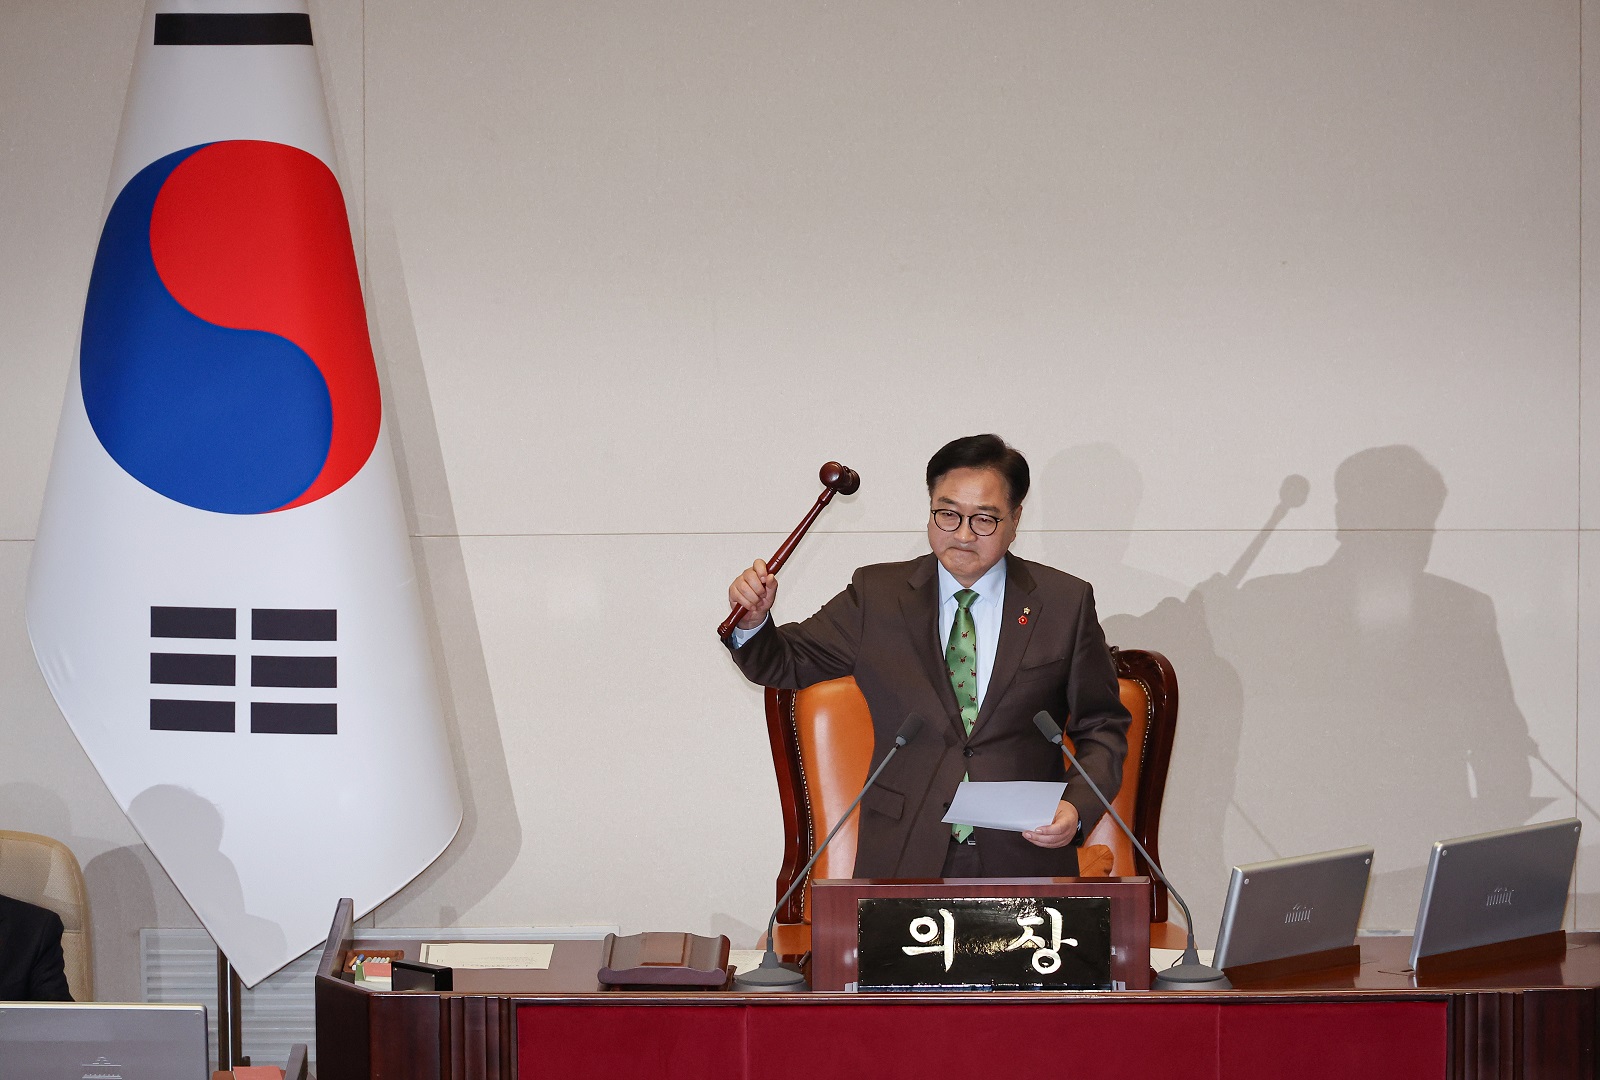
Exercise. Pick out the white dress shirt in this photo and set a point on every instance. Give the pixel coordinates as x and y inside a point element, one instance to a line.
<point>740,635</point>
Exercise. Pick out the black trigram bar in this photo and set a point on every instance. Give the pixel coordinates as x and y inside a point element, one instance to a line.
<point>294,624</point>
<point>294,718</point>
<point>251,28</point>
<point>192,669</point>
<point>194,622</point>
<point>294,671</point>
<point>169,715</point>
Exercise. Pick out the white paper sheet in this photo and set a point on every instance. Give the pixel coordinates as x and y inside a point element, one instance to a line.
<point>1013,805</point>
<point>487,954</point>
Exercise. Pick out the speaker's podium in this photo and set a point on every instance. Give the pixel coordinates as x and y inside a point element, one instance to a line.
<point>1518,1018</point>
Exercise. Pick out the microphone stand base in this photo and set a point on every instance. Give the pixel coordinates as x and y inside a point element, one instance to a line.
<point>1191,977</point>
<point>770,979</point>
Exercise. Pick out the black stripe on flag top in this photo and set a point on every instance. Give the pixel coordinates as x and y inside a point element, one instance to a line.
<point>250,28</point>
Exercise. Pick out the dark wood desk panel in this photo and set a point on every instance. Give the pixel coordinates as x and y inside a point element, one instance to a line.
<point>1527,1021</point>
<point>574,965</point>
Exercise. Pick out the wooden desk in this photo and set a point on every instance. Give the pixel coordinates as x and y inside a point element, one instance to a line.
<point>1531,1021</point>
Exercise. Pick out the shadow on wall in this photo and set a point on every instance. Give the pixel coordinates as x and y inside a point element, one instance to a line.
<point>1206,753</point>
<point>185,830</point>
<point>121,892</point>
<point>490,837</point>
<point>1362,701</point>
<point>1378,706</point>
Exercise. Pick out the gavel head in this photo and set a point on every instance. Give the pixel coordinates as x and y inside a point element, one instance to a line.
<point>837,477</point>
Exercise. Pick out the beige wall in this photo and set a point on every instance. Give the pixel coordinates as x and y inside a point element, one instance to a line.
<point>635,271</point>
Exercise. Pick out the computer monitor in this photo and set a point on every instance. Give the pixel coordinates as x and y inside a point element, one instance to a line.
<point>94,1039</point>
<point>1290,907</point>
<point>1494,887</point>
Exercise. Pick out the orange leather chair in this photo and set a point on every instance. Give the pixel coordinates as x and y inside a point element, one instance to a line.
<point>822,748</point>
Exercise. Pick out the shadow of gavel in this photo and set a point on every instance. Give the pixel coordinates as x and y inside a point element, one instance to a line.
<point>1292,494</point>
<point>836,480</point>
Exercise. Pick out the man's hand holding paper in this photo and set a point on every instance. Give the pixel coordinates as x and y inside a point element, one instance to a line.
<point>1033,808</point>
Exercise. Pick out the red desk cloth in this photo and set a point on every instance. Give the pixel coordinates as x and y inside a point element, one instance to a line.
<point>929,1040</point>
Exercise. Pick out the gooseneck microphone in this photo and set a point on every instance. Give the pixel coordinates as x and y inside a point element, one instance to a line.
<point>1188,973</point>
<point>773,975</point>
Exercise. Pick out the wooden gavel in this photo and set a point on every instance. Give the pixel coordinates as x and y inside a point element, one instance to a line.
<point>836,480</point>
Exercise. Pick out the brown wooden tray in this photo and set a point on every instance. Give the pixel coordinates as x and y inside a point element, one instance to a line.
<point>664,960</point>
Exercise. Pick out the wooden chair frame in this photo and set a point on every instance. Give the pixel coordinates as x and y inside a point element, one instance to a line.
<point>1149,669</point>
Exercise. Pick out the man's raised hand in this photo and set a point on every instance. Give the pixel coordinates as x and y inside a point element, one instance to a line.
<point>756,590</point>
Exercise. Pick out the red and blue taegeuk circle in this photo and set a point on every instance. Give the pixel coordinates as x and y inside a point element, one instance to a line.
<point>225,361</point>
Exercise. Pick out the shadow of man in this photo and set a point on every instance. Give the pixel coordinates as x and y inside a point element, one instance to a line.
<point>1200,782</point>
<point>184,830</point>
<point>1377,707</point>
<point>122,899</point>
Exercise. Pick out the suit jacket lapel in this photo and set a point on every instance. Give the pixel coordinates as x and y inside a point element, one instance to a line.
<point>920,606</point>
<point>1014,635</point>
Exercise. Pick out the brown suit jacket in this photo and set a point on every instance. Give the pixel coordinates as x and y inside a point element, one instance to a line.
<point>884,630</point>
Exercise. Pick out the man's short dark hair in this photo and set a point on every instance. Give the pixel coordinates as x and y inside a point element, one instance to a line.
<point>982,452</point>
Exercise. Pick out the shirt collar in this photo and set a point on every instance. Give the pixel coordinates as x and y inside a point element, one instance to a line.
<point>987,587</point>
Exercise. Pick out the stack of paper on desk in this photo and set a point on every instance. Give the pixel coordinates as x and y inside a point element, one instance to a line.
<point>487,954</point>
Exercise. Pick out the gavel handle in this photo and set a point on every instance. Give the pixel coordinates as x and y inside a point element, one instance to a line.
<point>779,557</point>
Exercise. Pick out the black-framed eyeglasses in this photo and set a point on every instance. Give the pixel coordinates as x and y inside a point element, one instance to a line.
<point>982,524</point>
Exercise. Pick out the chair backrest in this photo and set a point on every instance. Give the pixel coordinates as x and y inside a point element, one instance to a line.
<point>44,872</point>
<point>821,741</point>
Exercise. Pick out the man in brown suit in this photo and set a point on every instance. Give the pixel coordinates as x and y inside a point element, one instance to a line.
<point>904,629</point>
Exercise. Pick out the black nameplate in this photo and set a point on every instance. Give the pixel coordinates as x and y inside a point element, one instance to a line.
<point>1035,943</point>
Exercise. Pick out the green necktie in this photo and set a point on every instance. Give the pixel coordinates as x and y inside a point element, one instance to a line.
<point>961,660</point>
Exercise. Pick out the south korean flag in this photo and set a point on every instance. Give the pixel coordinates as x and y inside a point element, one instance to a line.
<point>222,596</point>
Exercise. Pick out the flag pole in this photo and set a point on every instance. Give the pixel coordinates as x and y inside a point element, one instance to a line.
<point>230,1017</point>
